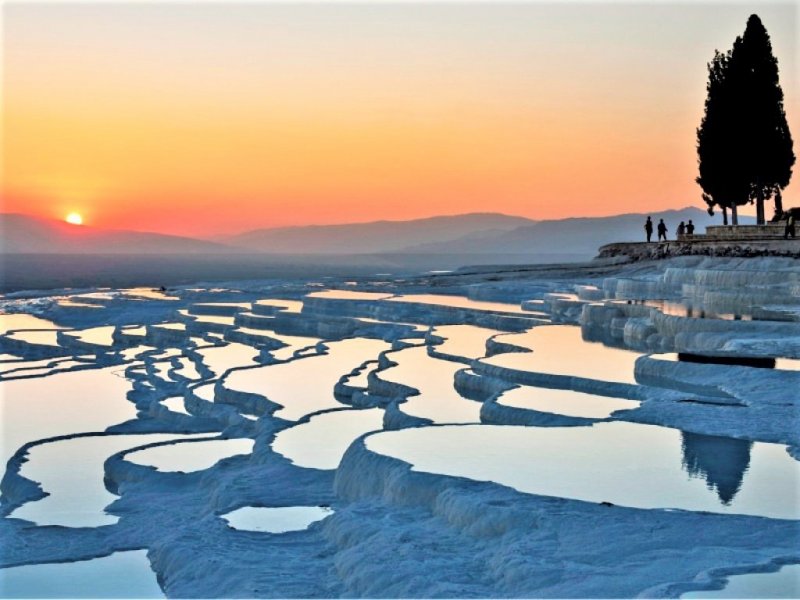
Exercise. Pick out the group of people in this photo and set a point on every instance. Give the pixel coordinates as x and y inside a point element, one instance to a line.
<point>683,229</point>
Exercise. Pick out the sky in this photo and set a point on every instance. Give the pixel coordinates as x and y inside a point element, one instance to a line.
<point>205,119</point>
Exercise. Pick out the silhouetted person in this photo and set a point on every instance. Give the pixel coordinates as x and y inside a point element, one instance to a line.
<point>789,230</point>
<point>662,230</point>
<point>681,229</point>
<point>721,461</point>
<point>648,228</point>
<point>690,228</point>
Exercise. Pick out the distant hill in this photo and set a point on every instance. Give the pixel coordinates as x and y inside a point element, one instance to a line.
<point>582,236</point>
<point>374,237</point>
<point>474,235</point>
<point>24,234</point>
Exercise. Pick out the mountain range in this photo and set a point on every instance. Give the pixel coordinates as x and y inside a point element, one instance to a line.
<point>473,234</point>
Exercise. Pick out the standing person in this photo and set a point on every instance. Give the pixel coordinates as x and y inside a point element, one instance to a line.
<point>648,228</point>
<point>681,229</point>
<point>789,230</point>
<point>690,228</point>
<point>662,230</point>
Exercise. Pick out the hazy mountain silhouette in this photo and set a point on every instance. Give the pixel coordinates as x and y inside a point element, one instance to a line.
<point>473,235</point>
<point>24,234</point>
<point>576,235</point>
<point>374,237</point>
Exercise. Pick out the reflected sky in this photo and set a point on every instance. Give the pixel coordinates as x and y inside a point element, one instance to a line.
<point>121,575</point>
<point>460,302</point>
<point>43,337</point>
<point>784,583</point>
<point>101,336</point>
<point>560,350</point>
<point>276,520</point>
<point>623,463</point>
<point>306,385</point>
<point>468,341</point>
<point>71,472</point>
<point>438,400</point>
<point>220,359</point>
<point>564,402</point>
<point>24,321</point>
<point>190,456</point>
<point>349,295</point>
<point>73,402</point>
<point>321,443</point>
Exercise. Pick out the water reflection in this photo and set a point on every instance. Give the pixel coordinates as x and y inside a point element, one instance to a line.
<point>71,473</point>
<point>121,575</point>
<point>623,463</point>
<point>561,350</point>
<point>460,302</point>
<point>306,385</point>
<point>322,441</point>
<point>721,461</point>
<point>276,520</point>
<point>784,583</point>
<point>186,457</point>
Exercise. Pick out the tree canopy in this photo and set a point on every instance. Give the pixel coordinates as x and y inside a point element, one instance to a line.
<point>743,143</point>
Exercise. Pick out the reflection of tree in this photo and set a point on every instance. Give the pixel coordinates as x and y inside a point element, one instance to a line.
<point>721,461</point>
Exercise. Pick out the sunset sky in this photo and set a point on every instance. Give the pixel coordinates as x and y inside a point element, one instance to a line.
<point>200,118</point>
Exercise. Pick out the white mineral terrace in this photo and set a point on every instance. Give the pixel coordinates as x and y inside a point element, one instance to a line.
<point>626,434</point>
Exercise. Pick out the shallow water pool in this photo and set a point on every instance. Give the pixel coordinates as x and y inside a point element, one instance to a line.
<point>467,341</point>
<point>276,520</point>
<point>61,404</point>
<point>433,377</point>
<point>564,402</point>
<point>460,302</point>
<point>305,385</point>
<point>186,457</point>
<point>784,583</point>
<point>120,575</point>
<point>322,441</point>
<point>560,350</point>
<point>71,472</point>
<point>634,465</point>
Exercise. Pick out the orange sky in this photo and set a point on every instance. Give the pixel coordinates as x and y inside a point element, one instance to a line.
<point>200,119</point>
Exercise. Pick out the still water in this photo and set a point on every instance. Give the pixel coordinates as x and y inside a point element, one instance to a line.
<point>784,583</point>
<point>468,341</point>
<point>276,520</point>
<point>121,575</point>
<point>438,400</point>
<point>641,466</point>
<point>560,350</point>
<point>61,404</point>
<point>71,472</point>
<point>305,385</point>
<point>460,302</point>
<point>190,456</point>
<point>564,402</point>
<point>322,441</point>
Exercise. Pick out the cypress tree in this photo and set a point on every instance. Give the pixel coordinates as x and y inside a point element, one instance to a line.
<point>744,145</point>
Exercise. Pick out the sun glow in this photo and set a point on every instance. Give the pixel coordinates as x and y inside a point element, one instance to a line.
<point>74,219</point>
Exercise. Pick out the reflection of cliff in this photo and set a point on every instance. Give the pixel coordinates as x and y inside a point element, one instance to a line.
<point>721,461</point>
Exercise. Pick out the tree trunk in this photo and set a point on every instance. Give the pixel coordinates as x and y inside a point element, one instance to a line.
<point>778,203</point>
<point>734,214</point>
<point>760,208</point>
<point>724,215</point>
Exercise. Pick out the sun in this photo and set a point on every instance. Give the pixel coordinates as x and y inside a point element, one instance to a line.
<point>74,219</point>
